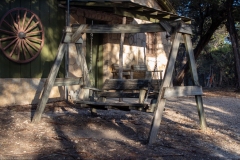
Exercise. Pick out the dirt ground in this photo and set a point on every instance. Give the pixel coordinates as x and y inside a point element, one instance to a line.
<point>69,132</point>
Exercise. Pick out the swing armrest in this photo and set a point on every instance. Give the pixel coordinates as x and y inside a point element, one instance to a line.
<point>93,89</point>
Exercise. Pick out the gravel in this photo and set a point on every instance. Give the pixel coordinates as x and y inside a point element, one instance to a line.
<point>66,132</point>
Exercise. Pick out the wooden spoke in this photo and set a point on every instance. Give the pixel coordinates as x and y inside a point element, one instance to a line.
<point>10,44</point>
<point>18,20</point>
<point>30,20</point>
<point>21,35</point>
<point>14,30</point>
<point>7,32</point>
<point>24,19</point>
<point>18,50</point>
<point>35,40</point>
<point>24,50</point>
<point>32,27</point>
<point>33,33</point>
<point>14,22</point>
<point>28,49</point>
<point>7,38</point>
<point>13,49</point>
<point>32,45</point>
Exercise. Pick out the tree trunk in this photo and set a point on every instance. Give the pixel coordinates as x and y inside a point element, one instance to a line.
<point>220,78</point>
<point>234,40</point>
<point>217,20</point>
<point>200,46</point>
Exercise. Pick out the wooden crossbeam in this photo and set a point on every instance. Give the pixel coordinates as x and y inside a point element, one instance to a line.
<point>78,33</point>
<point>119,106</point>
<point>182,91</point>
<point>119,28</point>
<point>78,30</point>
<point>67,81</point>
<point>174,27</point>
<point>152,16</point>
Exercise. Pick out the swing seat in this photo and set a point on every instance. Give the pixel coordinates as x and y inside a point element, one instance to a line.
<point>126,71</point>
<point>124,88</point>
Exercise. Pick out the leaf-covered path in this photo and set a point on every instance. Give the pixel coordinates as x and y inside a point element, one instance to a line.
<point>67,132</point>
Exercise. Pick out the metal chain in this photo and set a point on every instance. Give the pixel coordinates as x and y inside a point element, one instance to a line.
<point>91,52</point>
<point>155,67</point>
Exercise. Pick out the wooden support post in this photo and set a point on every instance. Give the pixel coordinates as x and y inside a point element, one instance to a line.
<point>142,94</point>
<point>201,114</point>
<point>121,54</point>
<point>166,82</point>
<point>78,33</point>
<point>81,61</point>
<point>49,83</point>
<point>121,51</point>
<point>198,98</point>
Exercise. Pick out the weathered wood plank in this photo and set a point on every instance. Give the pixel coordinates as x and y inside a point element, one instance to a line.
<point>81,61</point>
<point>49,84</point>
<point>121,106</point>
<point>119,94</point>
<point>126,71</point>
<point>129,28</point>
<point>111,104</point>
<point>198,98</point>
<point>140,15</point>
<point>142,94</point>
<point>166,82</point>
<point>130,84</point>
<point>120,71</point>
<point>151,15</point>
<point>182,91</point>
<point>137,68</point>
<point>122,84</point>
<point>77,35</point>
<point>115,67</point>
<point>67,81</point>
<point>119,28</point>
<point>201,114</point>
<point>173,27</point>
<point>193,66</point>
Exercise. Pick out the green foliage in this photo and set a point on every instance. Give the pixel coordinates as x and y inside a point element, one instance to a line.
<point>221,61</point>
<point>209,36</point>
<point>204,13</point>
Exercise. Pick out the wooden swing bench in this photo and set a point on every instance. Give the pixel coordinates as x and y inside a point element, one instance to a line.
<point>128,72</point>
<point>180,31</point>
<point>134,88</point>
<point>124,88</point>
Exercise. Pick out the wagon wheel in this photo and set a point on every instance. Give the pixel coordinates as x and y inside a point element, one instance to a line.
<point>21,35</point>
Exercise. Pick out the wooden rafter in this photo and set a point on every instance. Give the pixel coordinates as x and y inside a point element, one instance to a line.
<point>152,16</point>
<point>130,8</point>
<point>74,33</point>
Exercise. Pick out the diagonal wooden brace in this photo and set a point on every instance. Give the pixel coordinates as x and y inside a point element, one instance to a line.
<point>49,83</point>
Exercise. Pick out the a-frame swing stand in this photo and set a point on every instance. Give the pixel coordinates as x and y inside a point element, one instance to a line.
<point>73,35</point>
<point>167,91</point>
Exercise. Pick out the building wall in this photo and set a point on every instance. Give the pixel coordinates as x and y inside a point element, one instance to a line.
<point>23,83</point>
<point>21,91</point>
<point>53,20</point>
<point>141,48</point>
